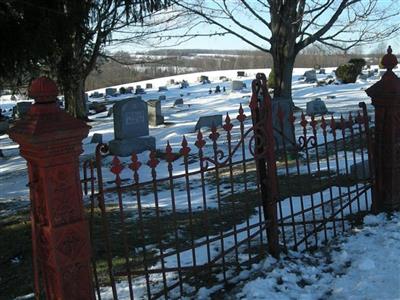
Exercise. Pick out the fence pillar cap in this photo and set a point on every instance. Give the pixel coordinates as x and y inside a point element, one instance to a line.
<point>46,127</point>
<point>43,90</point>
<point>388,88</point>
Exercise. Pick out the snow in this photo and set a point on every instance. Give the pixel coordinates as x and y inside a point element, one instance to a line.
<point>362,264</point>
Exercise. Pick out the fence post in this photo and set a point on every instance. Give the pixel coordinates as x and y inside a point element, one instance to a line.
<point>51,142</point>
<point>264,154</point>
<point>385,95</point>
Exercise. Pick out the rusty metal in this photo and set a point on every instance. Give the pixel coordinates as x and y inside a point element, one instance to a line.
<point>51,142</point>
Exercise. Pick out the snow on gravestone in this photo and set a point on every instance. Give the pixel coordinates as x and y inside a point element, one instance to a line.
<point>131,128</point>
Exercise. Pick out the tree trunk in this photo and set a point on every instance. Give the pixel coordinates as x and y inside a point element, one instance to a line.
<point>283,68</point>
<point>74,95</point>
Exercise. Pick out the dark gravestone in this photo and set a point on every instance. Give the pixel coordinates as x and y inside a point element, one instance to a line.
<point>110,91</point>
<point>204,79</point>
<point>178,102</point>
<point>131,128</point>
<point>237,85</point>
<point>22,108</point>
<point>316,107</point>
<point>241,74</point>
<point>139,91</point>
<point>149,86</point>
<point>129,89</point>
<point>154,111</point>
<point>311,76</point>
<point>217,89</point>
<point>162,89</point>
<point>97,138</point>
<point>209,121</point>
<point>287,135</point>
<point>360,170</point>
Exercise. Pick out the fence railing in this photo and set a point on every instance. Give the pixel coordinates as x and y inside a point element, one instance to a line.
<point>180,219</point>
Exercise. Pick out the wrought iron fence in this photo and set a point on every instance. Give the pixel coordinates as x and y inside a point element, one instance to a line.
<point>166,225</point>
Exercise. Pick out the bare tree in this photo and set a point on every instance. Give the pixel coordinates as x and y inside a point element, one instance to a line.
<point>283,28</point>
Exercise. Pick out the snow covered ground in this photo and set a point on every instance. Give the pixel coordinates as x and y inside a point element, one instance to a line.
<point>363,264</point>
<point>179,120</point>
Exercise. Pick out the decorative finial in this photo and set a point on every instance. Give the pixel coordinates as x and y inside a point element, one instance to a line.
<point>389,61</point>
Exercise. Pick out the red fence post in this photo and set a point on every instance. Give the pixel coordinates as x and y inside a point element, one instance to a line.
<point>385,96</point>
<point>51,142</point>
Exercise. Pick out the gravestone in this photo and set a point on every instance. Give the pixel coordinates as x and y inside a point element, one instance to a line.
<point>110,91</point>
<point>97,138</point>
<point>241,74</point>
<point>131,128</point>
<point>162,89</point>
<point>223,78</point>
<point>95,95</point>
<point>316,107</point>
<point>129,89</point>
<point>237,85</point>
<point>122,90</point>
<point>204,79</point>
<point>178,102</point>
<point>184,84</point>
<point>287,137</point>
<point>311,76</point>
<point>217,89</point>
<point>321,71</point>
<point>139,91</point>
<point>360,170</point>
<point>162,97</point>
<point>171,81</point>
<point>149,86</point>
<point>154,112</point>
<point>208,121</point>
<point>22,108</point>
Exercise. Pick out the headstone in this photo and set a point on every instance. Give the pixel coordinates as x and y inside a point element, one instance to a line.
<point>171,81</point>
<point>208,121</point>
<point>162,89</point>
<point>97,107</point>
<point>321,71</point>
<point>316,107</point>
<point>311,76</point>
<point>204,79</point>
<point>110,91</point>
<point>97,138</point>
<point>360,170</point>
<point>223,78</point>
<point>22,108</point>
<point>149,86</point>
<point>129,89</point>
<point>210,91</point>
<point>184,84</point>
<point>95,95</point>
<point>241,74</point>
<point>122,90</point>
<point>131,128</point>
<point>237,85</point>
<point>287,137</point>
<point>162,97</point>
<point>138,86</point>
<point>217,89</point>
<point>154,112</point>
<point>223,89</point>
<point>178,102</point>
<point>139,91</point>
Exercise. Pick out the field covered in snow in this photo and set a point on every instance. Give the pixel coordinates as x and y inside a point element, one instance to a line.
<point>180,120</point>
